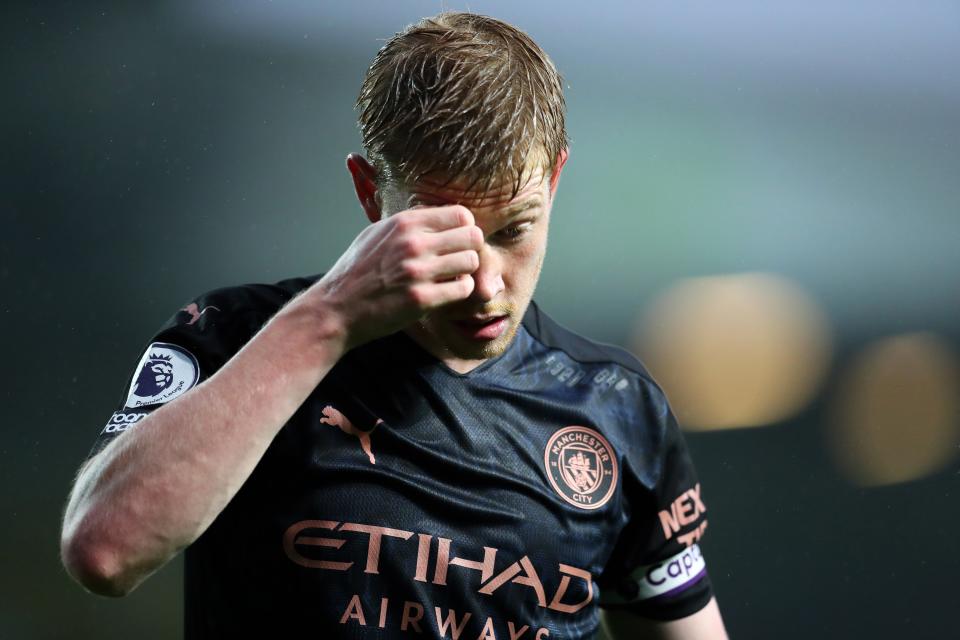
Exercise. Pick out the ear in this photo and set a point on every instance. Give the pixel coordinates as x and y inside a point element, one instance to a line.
<point>365,182</point>
<point>557,168</point>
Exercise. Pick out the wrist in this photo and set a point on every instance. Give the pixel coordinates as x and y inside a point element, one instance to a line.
<point>312,330</point>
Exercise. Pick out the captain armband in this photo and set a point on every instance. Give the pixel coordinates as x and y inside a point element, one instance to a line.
<point>664,579</point>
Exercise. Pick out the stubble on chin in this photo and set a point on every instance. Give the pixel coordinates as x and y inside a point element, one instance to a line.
<point>447,342</point>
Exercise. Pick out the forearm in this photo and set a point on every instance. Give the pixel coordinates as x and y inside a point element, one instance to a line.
<point>156,488</point>
<point>706,624</point>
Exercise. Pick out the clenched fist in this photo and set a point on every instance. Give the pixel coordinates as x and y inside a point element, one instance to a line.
<point>399,268</point>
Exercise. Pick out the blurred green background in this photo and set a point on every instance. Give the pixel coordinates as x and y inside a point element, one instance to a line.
<point>151,152</point>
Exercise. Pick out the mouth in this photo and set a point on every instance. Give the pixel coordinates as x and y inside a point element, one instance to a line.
<point>483,328</point>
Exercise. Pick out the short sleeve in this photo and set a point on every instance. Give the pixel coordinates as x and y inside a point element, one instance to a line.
<point>657,569</point>
<point>187,349</point>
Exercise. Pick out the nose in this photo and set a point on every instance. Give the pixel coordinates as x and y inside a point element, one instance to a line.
<point>488,278</point>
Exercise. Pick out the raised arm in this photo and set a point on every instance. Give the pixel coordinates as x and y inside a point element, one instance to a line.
<point>157,487</point>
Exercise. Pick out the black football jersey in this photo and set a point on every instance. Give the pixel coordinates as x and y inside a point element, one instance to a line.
<point>404,499</point>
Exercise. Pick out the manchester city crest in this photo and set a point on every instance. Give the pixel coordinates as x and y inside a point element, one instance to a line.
<point>581,466</point>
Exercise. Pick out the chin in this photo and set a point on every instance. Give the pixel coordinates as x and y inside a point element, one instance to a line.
<point>466,349</point>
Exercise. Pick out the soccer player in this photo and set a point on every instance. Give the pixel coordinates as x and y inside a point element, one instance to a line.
<point>407,445</point>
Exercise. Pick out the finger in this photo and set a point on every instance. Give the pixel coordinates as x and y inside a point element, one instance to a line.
<point>435,294</point>
<point>439,218</point>
<point>454,240</point>
<point>452,265</point>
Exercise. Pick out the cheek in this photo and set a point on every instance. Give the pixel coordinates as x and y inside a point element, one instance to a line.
<point>522,265</point>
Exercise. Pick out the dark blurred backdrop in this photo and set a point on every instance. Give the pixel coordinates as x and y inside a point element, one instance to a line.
<point>762,201</point>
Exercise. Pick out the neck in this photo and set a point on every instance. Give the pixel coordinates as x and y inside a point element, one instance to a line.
<point>443,354</point>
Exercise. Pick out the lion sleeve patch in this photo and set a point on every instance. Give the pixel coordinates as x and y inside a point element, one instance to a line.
<point>166,371</point>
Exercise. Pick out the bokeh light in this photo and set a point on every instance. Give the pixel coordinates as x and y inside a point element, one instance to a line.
<point>897,414</point>
<point>736,350</point>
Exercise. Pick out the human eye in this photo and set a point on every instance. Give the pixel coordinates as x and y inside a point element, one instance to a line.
<point>515,232</point>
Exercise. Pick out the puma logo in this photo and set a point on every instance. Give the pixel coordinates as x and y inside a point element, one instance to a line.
<point>195,311</point>
<point>337,419</point>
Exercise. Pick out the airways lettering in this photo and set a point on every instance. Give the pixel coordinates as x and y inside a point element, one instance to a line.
<point>414,614</point>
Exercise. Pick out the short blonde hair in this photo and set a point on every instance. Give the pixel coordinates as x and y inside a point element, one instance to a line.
<point>462,96</point>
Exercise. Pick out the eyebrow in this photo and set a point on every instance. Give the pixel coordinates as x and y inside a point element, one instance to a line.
<point>517,209</point>
<point>510,211</point>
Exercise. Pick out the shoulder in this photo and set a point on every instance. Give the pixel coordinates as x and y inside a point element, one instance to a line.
<point>223,319</point>
<point>586,351</point>
<point>620,392</point>
<point>249,298</point>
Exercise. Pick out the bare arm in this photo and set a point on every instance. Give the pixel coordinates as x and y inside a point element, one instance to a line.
<point>157,487</point>
<point>705,624</point>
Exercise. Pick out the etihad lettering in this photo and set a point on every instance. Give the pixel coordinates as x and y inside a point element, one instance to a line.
<point>301,537</point>
<point>291,538</point>
<point>376,536</point>
<point>449,623</point>
<point>443,562</point>
<point>562,589</point>
<point>683,511</point>
<point>528,579</point>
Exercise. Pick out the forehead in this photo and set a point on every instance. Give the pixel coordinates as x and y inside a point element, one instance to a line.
<point>455,192</point>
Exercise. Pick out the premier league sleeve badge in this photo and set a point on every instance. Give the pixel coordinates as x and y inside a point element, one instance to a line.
<point>165,372</point>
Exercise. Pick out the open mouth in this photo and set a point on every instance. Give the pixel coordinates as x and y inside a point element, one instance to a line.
<point>483,329</point>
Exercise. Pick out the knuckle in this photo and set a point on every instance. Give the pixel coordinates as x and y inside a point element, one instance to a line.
<point>413,245</point>
<point>418,296</point>
<point>476,237</point>
<point>402,223</point>
<point>466,216</point>
<point>411,269</point>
